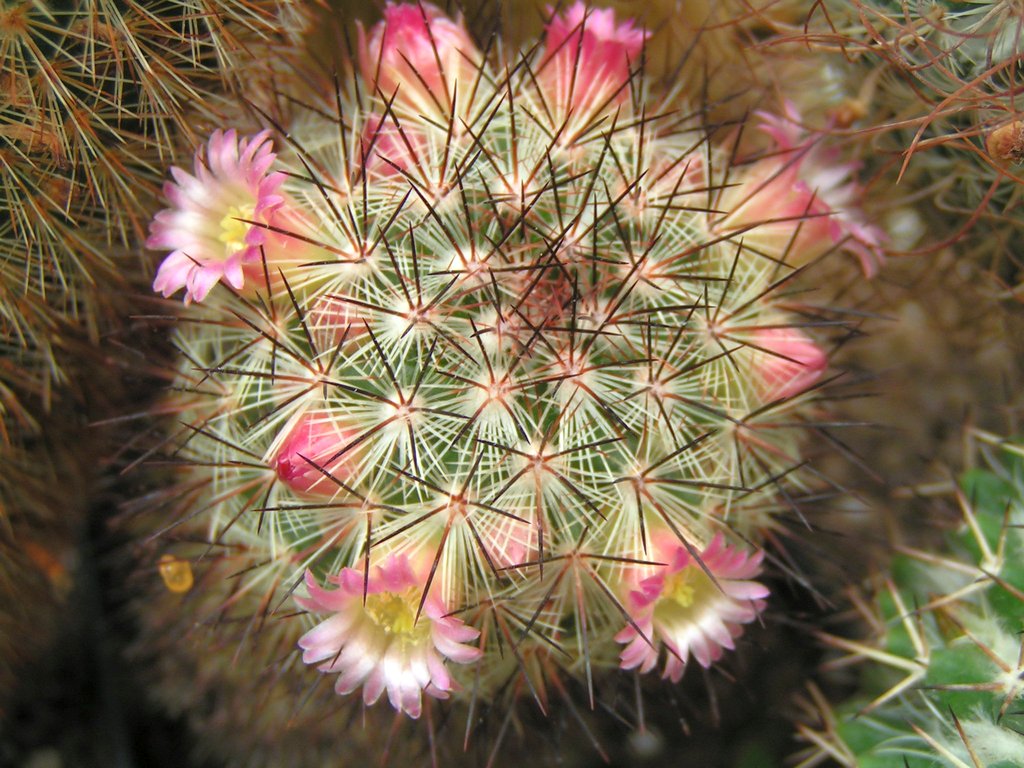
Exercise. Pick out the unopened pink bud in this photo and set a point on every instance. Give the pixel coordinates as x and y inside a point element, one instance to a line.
<point>315,447</point>
<point>776,213</point>
<point>789,362</point>
<point>388,150</point>
<point>589,59</point>
<point>418,55</point>
<point>800,203</point>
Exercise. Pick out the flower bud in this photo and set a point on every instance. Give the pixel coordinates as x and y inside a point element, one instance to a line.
<point>387,150</point>
<point>420,57</point>
<point>589,59</point>
<point>799,203</point>
<point>315,447</point>
<point>789,362</point>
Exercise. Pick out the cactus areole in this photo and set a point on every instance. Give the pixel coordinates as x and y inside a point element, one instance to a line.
<point>479,346</point>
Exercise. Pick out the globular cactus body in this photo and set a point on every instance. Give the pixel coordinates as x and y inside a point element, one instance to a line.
<point>492,362</point>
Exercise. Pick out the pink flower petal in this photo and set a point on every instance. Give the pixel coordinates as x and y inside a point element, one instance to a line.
<point>588,59</point>
<point>231,185</point>
<point>417,55</point>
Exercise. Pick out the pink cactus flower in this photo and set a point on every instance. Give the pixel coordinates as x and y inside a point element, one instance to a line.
<point>681,608</point>
<point>789,361</point>
<point>589,58</point>
<point>418,55</point>
<point>208,227</point>
<point>802,201</point>
<point>379,643</point>
<point>314,445</point>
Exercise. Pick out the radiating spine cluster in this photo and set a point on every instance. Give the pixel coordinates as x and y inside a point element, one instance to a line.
<point>493,361</point>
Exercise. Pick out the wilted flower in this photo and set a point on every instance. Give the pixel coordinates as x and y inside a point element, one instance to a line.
<point>418,55</point>
<point>219,216</point>
<point>789,361</point>
<point>800,202</point>
<point>1006,143</point>
<point>589,59</point>
<point>380,643</point>
<point>691,606</point>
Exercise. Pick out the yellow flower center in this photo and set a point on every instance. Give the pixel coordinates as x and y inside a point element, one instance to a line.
<point>685,594</point>
<point>233,227</point>
<point>396,613</point>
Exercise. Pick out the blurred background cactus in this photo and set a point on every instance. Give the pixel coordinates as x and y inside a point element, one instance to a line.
<point>95,97</point>
<point>940,104</point>
<point>915,90</point>
<point>940,673</point>
<point>36,546</point>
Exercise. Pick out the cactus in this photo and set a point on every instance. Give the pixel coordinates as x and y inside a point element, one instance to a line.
<point>93,100</point>
<point>36,559</point>
<point>939,102</point>
<point>493,370</point>
<point>93,97</point>
<point>940,685</point>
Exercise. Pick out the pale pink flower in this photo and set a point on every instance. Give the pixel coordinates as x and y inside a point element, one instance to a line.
<point>380,644</point>
<point>208,227</point>
<point>681,608</point>
<point>315,444</point>
<point>388,151</point>
<point>418,55</point>
<point>802,201</point>
<point>788,361</point>
<point>588,59</point>
<point>332,321</point>
<point>509,541</point>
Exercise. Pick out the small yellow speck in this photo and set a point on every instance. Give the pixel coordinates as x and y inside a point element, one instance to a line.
<point>176,573</point>
<point>49,563</point>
